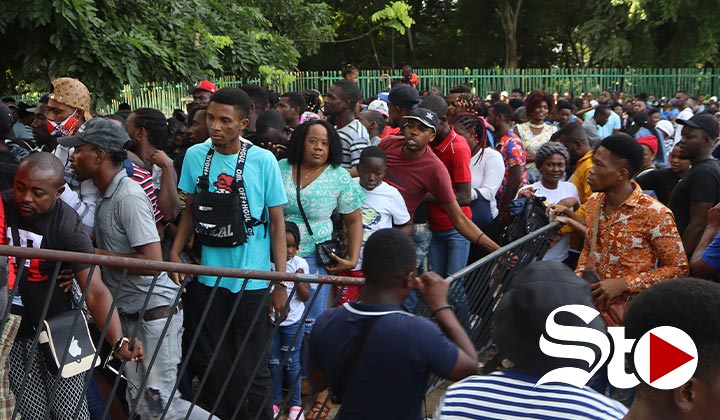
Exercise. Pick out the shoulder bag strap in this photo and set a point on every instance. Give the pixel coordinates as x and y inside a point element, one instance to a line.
<point>240,185</point>
<point>594,233</point>
<point>352,359</point>
<point>299,202</point>
<point>202,181</point>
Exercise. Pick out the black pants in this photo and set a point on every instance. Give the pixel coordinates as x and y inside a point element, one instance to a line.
<point>254,357</point>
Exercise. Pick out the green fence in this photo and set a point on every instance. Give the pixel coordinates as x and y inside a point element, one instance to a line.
<point>658,82</point>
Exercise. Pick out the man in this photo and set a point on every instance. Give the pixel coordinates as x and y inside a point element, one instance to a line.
<point>692,306</point>
<point>705,261</point>
<point>686,112</point>
<point>374,123</point>
<point>415,171</point>
<point>227,118</point>
<point>396,350</point>
<point>699,190</point>
<point>125,227</point>
<point>201,93</point>
<point>68,109</point>
<point>563,113</point>
<point>260,101</point>
<point>573,137</point>
<point>43,139</point>
<point>639,106</point>
<point>520,319</point>
<point>448,248</point>
<point>340,104</point>
<point>517,94</point>
<point>513,153</point>
<point>636,243</point>
<point>291,106</point>
<point>594,126</point>
<point>614,123</point>
<point>36,218</point>
<point>198,130</point>
<point>148,131</point>
<point>402,99</point>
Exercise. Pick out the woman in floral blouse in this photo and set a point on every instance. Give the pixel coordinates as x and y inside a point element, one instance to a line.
<point>536,132</point>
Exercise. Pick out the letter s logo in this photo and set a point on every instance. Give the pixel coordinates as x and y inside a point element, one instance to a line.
<point>571,375</point>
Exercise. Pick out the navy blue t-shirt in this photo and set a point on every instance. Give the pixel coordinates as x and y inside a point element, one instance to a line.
<point>390,377</point>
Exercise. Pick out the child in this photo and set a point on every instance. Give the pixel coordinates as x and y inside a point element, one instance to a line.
<point>289,334</point>
<point>383,208</point>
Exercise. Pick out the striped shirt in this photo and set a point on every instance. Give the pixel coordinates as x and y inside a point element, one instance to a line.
<point>513,395</point>
<point>145,179</point>
<point>354,138</point>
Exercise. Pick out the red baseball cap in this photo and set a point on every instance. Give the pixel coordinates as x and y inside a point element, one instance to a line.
<point>649,141</point>
<point>204,85</point>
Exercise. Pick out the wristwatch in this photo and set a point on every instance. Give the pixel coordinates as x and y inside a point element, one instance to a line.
<point>118,344</point>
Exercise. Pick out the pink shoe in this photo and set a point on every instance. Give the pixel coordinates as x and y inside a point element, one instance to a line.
<point>296,413</point>
<point>276,410</point>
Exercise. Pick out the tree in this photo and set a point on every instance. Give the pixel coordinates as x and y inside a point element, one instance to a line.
<point>509,11</point>
<point>108,43</point>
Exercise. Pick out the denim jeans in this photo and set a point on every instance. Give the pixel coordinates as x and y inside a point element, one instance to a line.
<point>162,375</point>
<point>321,290</point>
<point>421,237</point>
<point>288,339</point>
<point>449,252</point>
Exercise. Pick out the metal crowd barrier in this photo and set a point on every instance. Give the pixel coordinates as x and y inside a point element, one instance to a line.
<point>475,292</point>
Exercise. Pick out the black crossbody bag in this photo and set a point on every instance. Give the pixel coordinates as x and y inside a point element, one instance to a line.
<point>223,219</point>
<point>324,249</point>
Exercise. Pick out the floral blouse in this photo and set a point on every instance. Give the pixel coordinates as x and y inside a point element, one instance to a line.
<point>533,142</point>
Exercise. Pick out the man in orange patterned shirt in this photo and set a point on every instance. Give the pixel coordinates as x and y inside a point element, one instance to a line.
<point>637,242</point>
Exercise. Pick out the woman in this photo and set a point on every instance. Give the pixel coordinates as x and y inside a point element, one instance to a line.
<point>536,132</point>
<point>551,159</point>
<point>663,181</point>
<point>314,157</point>
<point>643,125</point>
<point>487,168</point>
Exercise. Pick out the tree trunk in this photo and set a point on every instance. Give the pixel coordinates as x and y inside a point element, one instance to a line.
<point>509,14</point>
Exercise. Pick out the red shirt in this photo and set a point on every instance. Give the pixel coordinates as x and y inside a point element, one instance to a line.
<point>389,131</point>
<point>454,152</point>
<point>415,178</point>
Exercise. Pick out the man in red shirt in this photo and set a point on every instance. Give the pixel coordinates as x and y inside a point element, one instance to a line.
<point>448,248</point>
<point>415,171</point>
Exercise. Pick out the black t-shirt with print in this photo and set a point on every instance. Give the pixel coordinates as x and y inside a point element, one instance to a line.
<point>59,228</point>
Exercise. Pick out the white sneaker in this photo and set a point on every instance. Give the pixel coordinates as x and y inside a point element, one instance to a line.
<point>296,413</point>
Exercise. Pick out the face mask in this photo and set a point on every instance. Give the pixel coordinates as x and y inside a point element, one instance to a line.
<point>65,128</point>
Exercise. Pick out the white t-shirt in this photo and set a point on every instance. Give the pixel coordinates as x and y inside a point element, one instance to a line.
<point>487,176</point>
<point>297,306</point>
<point>685,114</point>
<point>383,208</point>
<point>559,252</point>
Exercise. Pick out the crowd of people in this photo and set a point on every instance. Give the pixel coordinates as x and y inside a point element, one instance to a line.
<point>401,189</point>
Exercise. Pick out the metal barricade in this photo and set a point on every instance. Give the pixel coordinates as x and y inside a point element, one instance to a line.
<point>474,291</point>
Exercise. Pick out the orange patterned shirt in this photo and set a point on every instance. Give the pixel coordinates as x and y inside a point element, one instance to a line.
<point>637,241</point>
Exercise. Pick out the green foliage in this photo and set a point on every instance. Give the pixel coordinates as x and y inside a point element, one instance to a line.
<point>108,43</point>
<point>395,15</point>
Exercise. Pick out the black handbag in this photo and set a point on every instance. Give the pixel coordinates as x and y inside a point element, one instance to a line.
<point>68,346</point>
<point>324,249</point>
<point>223,219</point>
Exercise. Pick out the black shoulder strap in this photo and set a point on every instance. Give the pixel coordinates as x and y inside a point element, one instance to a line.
<point>299,202</point>
<point>352,359</point>
<point>202,181</point>
<point>240,185</point>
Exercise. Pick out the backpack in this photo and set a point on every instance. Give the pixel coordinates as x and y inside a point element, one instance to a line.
<point>529,216</point>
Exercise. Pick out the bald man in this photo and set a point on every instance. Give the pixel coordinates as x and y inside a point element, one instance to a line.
<point>36,218</point>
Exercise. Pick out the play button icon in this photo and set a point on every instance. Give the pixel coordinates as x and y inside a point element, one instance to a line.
<point>665,357</point>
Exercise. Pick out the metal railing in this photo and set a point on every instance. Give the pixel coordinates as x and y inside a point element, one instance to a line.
<point>658,82</point>
<point>474,291</point>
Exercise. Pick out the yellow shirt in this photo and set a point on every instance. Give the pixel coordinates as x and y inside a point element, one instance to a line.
<point>579,177</point>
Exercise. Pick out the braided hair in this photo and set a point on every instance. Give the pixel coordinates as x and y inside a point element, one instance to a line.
<point>474,124</point>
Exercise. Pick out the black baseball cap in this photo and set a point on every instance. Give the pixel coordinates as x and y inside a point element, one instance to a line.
<point>520,318</point>
<point>404,96</point>
<point>99,132</point>
<point>427,117</point>
<point>705,122</point>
